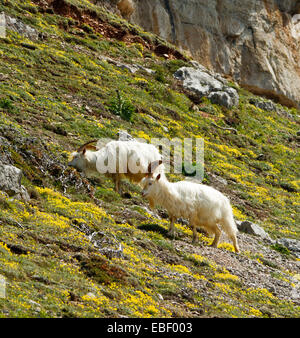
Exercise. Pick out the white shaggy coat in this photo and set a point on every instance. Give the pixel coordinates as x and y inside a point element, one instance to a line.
<point>202,205</point>
<point>117,159</point>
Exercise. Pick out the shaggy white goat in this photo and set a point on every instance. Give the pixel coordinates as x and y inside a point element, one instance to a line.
<point>202,205</point>
<point>117,159</point>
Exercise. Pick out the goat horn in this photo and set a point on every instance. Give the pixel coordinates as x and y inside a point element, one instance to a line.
<point>153,165</point>
<point>84,145</point>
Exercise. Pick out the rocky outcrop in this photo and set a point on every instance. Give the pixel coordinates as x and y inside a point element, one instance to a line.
<point>18,26</point>
<point>200,82</point>
<point>270,106</point>
<point>10,182</point>
<point>131,68</point>
<point>252,229</point>
<point>255,42</point>
<point>292,245</point>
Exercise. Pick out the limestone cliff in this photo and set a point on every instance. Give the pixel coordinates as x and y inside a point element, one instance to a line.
<point>255,42</point>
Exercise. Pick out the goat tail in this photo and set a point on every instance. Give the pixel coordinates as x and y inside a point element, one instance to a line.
<point>229,225</point>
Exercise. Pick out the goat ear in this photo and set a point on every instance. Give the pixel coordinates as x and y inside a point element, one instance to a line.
<point>83,151</point>
<point>158,177</point>
<point>149,174</point>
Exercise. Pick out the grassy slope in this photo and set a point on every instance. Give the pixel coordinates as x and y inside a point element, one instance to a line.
<point>57,96</point>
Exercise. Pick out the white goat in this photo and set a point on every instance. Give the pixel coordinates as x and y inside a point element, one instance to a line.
<point>202,205</point>
<point>117,159</point>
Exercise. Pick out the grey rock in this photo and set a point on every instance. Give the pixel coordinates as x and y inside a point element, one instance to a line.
<point>91,295</point>
<point>4,156</point>
<point>151,118</point>
<point>291,244</point>
<point>130,68</point>
<point>106,243</point>
<point>10,182</point>
<point>10,179</point>
<point>295,293</point>
<point>264,105</point>
<point>21,28</point>
<point>219,179</point>
<point>201,82</point>
<point>221,98</point>
<point>285,113</point>
<point>239,38</point>
<point>124,136</point>
<point>233,95</point>
<point>151,212</point>
<point>252,229</point>
<point>160,297</point>
<point>271,106</point>
<point>36,306</point>
<point>198,80</point>
<point>145,69</point>
<point>23,194</point>
<point>195,64</point>
<point>183,221</point>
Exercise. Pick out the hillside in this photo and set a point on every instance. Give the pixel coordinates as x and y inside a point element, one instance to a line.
<point>60,253</point>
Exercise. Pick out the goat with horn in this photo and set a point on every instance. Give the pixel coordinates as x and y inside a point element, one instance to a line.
<point>130,160</point>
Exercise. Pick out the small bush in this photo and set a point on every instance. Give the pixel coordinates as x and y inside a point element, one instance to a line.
<point>122,107</point>
<point>174,65</point>
<point>280,248</point>
<point>7,105</point>
<point>160,76</point>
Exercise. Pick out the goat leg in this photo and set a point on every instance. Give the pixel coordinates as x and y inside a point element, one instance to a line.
<point>217,232</point>
<point>171,231</point>
<point>116,179</point>
<point>195,235</point>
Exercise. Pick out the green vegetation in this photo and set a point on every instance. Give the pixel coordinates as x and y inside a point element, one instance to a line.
<point>57,93</point>
<point>121,107</point>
